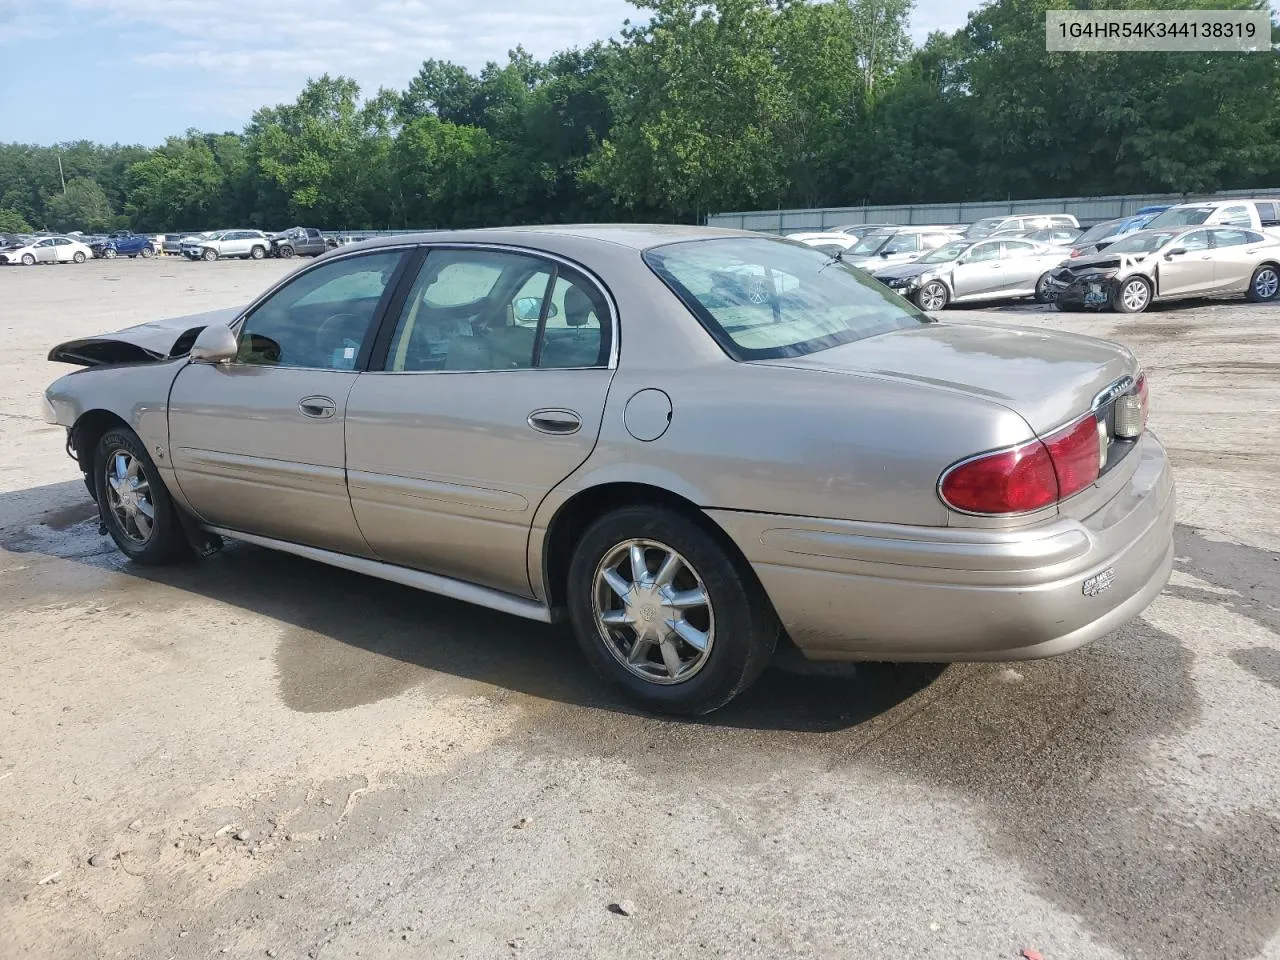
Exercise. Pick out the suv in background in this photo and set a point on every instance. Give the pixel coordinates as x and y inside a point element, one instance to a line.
<point>1028,221</point>
<point>299,242</point>
<point>123,243</point>
<point>897,245</point>
<point>1255,214</point>
<point>248,244</point>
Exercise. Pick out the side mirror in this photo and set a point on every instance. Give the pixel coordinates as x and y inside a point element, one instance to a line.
<point>884,253</point>
<point>1175,252</point>
<point>215,344</point>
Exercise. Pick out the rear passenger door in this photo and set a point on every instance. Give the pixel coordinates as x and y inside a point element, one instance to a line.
<point>487,388</point>
<point>1019,267</point>
<point>1235,257</point>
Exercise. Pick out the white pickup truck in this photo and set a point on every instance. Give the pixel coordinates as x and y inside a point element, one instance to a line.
<point>1263,214</point>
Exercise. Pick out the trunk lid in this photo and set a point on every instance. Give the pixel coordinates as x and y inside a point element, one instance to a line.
<point>1049,378</point>
<point>145,343</point>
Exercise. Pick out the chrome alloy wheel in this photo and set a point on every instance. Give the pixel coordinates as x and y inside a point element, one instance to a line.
<point>933,296</point>
<point>653,611</point>
<point>1135,295</point>
<point>1266,284</point>
<point>129,496</point>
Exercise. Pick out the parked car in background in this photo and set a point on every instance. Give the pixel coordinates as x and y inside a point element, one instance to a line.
<point>298,242</point>
<point>47,250</point>
<point>895,245</point>
<point>1255,214</point>
<point>246,244</point>
<point>828,243</point>
<point>171,244</point>
<point>860,230</point>
<point>997,268</point>
<point>122,243</point>
<point>11,240</point>
<point>1156,264</point>
<point>1052,236</point>
<point>1040,221</point>
<point>828,464</point>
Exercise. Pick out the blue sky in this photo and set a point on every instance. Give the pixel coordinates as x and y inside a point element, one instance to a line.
<point>136,71</point>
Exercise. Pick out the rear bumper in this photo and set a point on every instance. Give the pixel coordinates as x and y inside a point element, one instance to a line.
<point>861,591</point>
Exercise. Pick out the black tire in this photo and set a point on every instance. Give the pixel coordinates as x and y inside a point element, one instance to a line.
<point>286,252</point>
<point>28,260</point>
<point>110,253</point>
<point>78,256</point>
<point>1122,302</point>
<point>257,253</point>
<point>745,627</point>
<point>934,293</point>
<point>1068,307</point>
<point>1042,294</point>
<point>1264,285</point>
<point>146,253</point>
<point>209,255</point>
<point>166,541</point>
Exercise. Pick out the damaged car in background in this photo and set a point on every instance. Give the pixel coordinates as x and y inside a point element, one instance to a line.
<point>1156,265</point>
<point>964,271</point>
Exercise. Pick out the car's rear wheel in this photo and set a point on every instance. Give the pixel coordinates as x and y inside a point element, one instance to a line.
<point>932,296</point>
<point>286,251</point>
<point>1132,296</point>
<point>257,253</point>
<point>78,256</point>
<point>146,253</point>
<point>133,502</point>
<point>1042,289</point>
<point>28,260</point>
<point>661,609</point>
<point>1265,284</point>
<point>210,254</point>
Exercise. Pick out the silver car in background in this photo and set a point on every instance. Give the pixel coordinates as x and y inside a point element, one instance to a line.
<point>1171,264</point>
<point>998,268</point>
<point>687,442</point>
<point>245,244</point>
<point>895,245</point>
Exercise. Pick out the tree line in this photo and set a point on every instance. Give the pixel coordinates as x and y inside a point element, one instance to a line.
<point>698,107</point>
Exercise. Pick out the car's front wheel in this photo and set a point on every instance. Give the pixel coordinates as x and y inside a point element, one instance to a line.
<point>1264,285</point>
<point>210,254</point>
<point>28,260</point>
<point>662,609</point>
<point>286,252</point>
<point>1132,296</point>
<point>133,502</point>
<point>932,296</point>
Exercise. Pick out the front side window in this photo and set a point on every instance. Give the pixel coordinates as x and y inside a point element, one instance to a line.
<point>1196,240</point>
<point>764,299</point>
<point>983,252</point>
<point>320,319</point>
<point>483,310</point>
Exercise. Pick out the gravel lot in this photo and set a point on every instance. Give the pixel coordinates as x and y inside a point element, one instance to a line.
<point>266,757</point>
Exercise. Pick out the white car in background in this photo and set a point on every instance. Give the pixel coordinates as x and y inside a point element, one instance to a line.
<point>248,244</point>
<point>829,243</point>
<point>897,245</point>
<point>48,250</point>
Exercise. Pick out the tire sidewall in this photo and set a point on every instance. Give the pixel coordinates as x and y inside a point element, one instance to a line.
<point>78,257</point>
<point>209,256</point>
<point>746,628</point>
<point>257,253</point>
<point>920,295</point>
<point>1253,285</point>
<point>165,543</point>
<point>1117,301</point>
<point>28,260</point>
<point>1042,294</point>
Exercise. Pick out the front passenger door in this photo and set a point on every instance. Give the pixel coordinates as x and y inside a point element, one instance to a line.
<point>1186,268</point>
<point>980,272</point>
<point>258,444</point>
<point>45,251</point>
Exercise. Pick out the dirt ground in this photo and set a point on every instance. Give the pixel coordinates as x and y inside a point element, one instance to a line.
<point>258,756</point>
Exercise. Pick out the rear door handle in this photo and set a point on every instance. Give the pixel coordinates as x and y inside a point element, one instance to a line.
<point>317,408</point>
<point>556,421</point>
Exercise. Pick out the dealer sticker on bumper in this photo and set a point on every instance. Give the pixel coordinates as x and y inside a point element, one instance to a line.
<point>1099,583</point>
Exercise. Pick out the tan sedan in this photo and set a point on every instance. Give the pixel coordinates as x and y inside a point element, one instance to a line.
<point>687,442</point>
<point>1170,264</point>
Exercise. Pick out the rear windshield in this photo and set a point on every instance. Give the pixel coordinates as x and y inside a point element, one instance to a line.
<point>763,299</point>
<point>1181,217</point>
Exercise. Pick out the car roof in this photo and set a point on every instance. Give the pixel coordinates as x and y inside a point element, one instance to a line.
<point>637,236</point>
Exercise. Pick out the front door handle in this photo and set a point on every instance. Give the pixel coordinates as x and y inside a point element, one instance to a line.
<point>317,408</point>
<point>556,421</point>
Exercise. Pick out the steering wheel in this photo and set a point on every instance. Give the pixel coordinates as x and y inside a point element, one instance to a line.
<point>329,326</point>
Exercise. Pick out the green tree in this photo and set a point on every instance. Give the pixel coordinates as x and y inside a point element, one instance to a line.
<point>11,221</point>
<point>82,206</point>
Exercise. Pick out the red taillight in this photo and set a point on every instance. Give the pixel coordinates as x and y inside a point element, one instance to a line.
<point>1075,252</point>
<point>1012,481</point>
<point>1074,450</point>
<point>1029,477</point>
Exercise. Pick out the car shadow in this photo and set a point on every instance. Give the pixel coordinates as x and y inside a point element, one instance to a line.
<point>343,632</point>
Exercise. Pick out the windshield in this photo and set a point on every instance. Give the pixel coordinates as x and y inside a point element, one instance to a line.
<point>1182,217</point>
<point>870,245</point>
<point>1145,241</point>
<point>983,228</point>
<point>1097,232</point>
<point>946,252</point>
<point>763,299</point>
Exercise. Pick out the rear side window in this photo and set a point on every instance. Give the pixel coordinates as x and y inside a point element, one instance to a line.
<point>764,299</point>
